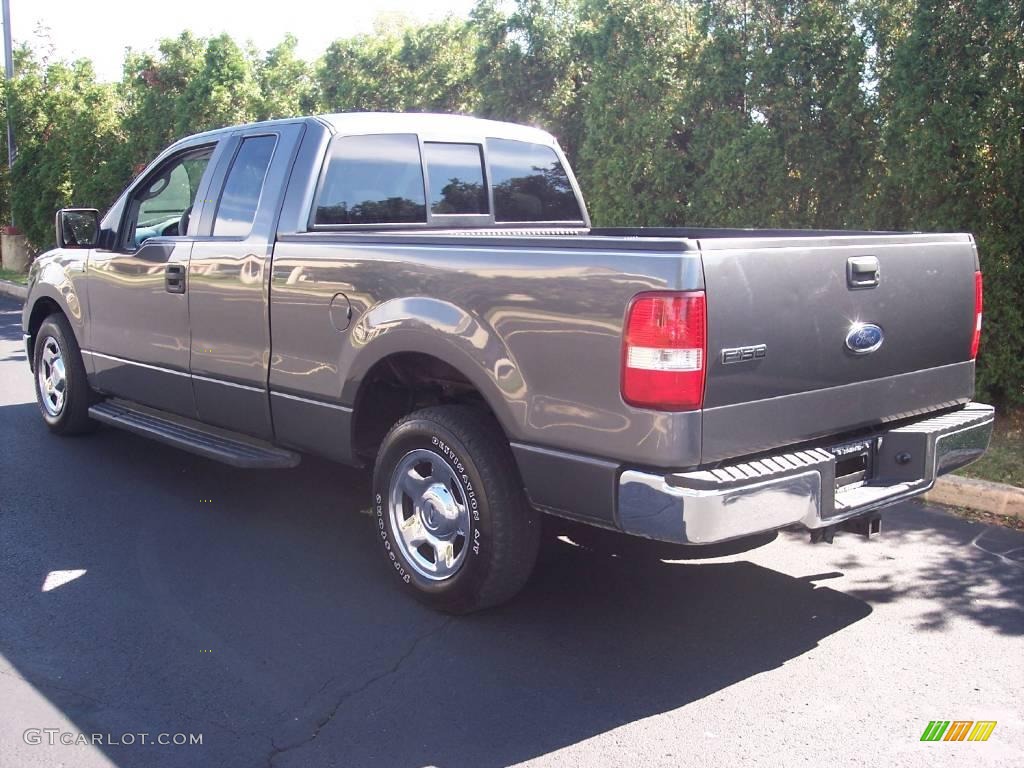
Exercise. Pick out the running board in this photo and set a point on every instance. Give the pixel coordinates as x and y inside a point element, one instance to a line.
<point>193,436</point>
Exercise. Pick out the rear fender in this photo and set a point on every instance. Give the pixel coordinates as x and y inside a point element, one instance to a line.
<point>445,331</point>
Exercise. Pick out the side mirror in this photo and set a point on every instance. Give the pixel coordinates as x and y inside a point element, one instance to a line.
<point>78,227</point>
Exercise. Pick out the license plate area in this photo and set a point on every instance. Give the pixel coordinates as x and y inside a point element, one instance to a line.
<point>855,463</point>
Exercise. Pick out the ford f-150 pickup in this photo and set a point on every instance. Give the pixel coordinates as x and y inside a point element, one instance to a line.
<point>424,294</point>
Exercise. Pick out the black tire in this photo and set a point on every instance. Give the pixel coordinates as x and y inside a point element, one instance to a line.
<point>502,532</point>
<point>72,417</point>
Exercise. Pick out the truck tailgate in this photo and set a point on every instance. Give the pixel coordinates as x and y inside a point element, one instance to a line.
<point>780,370</point>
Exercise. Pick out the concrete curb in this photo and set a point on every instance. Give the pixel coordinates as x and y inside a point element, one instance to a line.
<point>7,288</point>
<point>996,498</point>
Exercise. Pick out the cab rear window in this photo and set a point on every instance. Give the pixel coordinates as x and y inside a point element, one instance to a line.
<point>529,183</point>
<point>456,174</point>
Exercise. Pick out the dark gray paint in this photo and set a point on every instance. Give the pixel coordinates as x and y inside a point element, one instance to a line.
<point>163,388</point>
<point>532,318</point>
<point>229,299</point>
<point>312,426</point>
<point>793,296</point>
<point>579,487</point>
<point>760,425</point>
<point>536,327</point>
<point>135,318</point>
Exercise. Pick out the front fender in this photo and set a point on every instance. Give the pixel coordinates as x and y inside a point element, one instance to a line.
<point>58,276</point>
<point>449,333</point>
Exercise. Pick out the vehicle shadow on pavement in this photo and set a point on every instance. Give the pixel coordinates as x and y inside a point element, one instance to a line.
<point>254,607</point>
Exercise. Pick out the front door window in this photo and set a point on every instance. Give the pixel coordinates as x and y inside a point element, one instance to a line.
<point>162,206</point>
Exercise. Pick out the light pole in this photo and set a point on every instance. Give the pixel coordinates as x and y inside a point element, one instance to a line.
<point>9,73</point>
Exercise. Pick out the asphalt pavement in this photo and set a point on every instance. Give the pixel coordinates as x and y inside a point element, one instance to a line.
<point>147,591</point>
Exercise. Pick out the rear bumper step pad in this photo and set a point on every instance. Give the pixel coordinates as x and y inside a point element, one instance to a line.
<point>800,488</point>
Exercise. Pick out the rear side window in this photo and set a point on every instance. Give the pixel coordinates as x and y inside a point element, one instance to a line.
<point>456,173</point>
<point>529,183</point>
<point>373,180</point>
<point>243,187</point>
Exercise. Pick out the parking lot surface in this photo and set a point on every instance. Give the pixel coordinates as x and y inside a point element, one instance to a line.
<point>145,590</point>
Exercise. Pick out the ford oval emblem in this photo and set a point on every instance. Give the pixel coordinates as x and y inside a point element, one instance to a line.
<point>864,338</point>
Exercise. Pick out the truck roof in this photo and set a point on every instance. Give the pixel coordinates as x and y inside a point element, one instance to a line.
<point>437,125</point>
<point>419,122</point>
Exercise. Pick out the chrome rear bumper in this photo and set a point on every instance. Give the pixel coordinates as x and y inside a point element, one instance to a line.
<point>799,488</point>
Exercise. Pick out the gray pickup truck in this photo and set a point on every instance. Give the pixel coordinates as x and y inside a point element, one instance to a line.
<point>424,294</point>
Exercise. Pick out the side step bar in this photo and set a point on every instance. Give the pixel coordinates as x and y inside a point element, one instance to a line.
<point>193,436</point>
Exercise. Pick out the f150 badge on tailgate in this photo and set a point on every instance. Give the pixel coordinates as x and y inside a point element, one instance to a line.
<point>743,354</point>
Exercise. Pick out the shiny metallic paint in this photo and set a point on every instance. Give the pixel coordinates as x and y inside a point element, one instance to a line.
<point>133,317</point>
<point>793,296</point>
<point>59,275</point>
<point>535,326</point>
<point>760,425</point>
<point>309,425</point>
<point>164,388</point>
<point>229,299</point>
<point>533,321</point>
<point>567,484</point>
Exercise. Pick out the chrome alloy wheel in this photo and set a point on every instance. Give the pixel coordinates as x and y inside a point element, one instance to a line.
<point>52,378</point>
<point>429,514</point>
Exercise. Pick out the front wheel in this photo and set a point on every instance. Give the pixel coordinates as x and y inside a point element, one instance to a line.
<point>62,389</point>
<point>450,510</point>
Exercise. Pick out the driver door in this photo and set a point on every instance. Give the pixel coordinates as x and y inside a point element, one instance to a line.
<point>139,336</point>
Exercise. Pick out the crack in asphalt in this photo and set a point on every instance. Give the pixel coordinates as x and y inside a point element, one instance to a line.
<point>277,751</point>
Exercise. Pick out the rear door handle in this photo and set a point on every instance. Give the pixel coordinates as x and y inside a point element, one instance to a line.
<point>862,272</point>
<point>174,278</point>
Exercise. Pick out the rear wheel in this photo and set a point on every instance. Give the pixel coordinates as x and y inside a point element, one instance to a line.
<point>62,390</point>
<point>450,510</point>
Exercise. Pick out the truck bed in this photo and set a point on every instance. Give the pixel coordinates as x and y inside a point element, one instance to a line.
<point>785,290</point>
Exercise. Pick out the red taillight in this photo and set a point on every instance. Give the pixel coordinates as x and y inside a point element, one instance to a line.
<point>664,350</point>
<point>976,341</point>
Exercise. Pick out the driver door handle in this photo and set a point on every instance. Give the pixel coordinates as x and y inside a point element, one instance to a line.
<point>174,278</point>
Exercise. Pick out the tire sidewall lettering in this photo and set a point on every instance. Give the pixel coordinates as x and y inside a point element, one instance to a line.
<point>396,561</point>
<point>469,491</point>
<point>476,539</point>
<point>459,466</point>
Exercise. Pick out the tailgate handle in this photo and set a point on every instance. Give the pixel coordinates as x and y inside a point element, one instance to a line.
<point>862,272</point>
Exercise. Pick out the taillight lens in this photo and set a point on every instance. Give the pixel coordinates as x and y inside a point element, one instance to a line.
<point>664,351</point>
<point>976,341</point>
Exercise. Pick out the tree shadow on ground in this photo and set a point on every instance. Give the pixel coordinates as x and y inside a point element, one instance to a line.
<point>957,568</point>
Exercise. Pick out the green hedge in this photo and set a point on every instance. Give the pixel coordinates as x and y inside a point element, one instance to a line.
<point>901,114</point>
